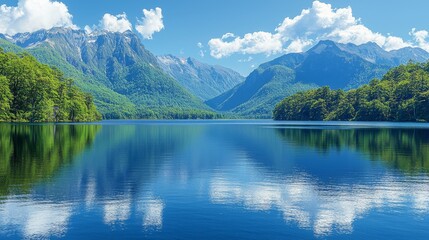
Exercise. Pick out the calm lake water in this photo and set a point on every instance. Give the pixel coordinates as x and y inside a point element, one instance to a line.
<point>214,180</point>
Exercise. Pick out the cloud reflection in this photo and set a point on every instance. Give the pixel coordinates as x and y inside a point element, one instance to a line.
<point>117,210</point>
<point>322,209</point>
<point>153,210</point>
<point>35,219</point>
<point>90,195</point>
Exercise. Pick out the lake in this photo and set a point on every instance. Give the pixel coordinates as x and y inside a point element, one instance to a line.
<point>214,180</point>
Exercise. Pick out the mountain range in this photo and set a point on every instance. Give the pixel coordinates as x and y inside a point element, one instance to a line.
<point>339,66</point>
<point>128,81</point>
<point>203,80</point>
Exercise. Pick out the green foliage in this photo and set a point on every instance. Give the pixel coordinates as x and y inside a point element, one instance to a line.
<point>122,76</point>
<point>339,66</point>
<point>5,99</point>
<point>402,95</point>
<point>33,92</point>
<point>177,113</point>
<point>148,86</point>
<point>111,104</point>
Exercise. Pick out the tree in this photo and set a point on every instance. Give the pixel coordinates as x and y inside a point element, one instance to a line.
<point>6,98</point>
<point>402,95</point>
<point>318,110</point>
<point>33,92</point>
<point>344,112</point>
<point>422,106</point>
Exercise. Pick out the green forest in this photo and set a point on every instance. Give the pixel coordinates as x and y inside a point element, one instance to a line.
<point>34,92</point>
<point>402,95</point>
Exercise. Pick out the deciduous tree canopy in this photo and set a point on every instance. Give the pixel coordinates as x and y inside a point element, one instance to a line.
<point>33,92</point>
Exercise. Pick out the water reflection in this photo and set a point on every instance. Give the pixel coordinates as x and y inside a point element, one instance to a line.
<point>172,180</point>
<point>405,149</point>
<point>29,153</point>
<point>36,220</point>
<point>153,210</point>
<point>117,210</point>
<point>321,208</point>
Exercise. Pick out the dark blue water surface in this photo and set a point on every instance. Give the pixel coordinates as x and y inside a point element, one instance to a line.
<point>214,180</point>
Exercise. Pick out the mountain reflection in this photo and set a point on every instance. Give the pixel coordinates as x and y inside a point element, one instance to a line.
<point>146,178</point>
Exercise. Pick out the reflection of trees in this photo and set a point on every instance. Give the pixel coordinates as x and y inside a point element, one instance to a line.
<point>405,149</point>
<point>29,153</point>
<point>126,158</point>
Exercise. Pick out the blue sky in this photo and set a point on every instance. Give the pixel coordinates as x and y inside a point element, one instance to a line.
<point>189,22</point>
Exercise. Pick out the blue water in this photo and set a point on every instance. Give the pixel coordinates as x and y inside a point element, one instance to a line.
<point>214,180</point>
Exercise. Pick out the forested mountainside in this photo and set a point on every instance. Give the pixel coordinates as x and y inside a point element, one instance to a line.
<point>124,78</point>
<point>401,95</point>
<point>339,66</point>
<point>34,92</point>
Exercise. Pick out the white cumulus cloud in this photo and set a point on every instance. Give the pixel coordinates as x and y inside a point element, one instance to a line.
<point>118,23</point>
<point>298,45</point>
<point>320,22</point>
<point>151,23</point>
<point>421,37</point>
<point>112,23</point>
<point>394,43</point>
<point>33,15</point>
<point>251,43</point>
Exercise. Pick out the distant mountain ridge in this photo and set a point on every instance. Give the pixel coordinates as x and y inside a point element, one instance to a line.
<point>128,81</point>
<point>125,78</point>
<point>375,54</point>
<point>203,80</point>
<point>339,66</point>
